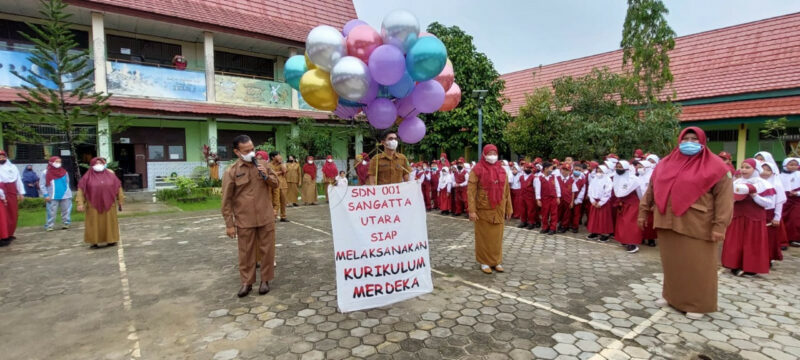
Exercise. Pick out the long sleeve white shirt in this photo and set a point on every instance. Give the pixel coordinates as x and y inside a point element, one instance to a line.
<point>537,185</point>
<point>10,174</point>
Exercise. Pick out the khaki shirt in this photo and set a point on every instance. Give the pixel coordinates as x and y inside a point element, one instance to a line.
<point>711,212</point>
<point>279,170</point>
<point>389,170</point>
<point>293,173</point>
<point>478,201</point>
<point>247,197</point>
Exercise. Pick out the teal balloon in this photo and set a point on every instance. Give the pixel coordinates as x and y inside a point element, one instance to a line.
<point>426,58</point>
<point>294,69</point>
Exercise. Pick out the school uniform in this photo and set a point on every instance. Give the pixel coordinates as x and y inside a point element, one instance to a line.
<point>578,196</point>
<point>549,193</point>
<point>628,191</point>
<point>746,245</point>
<point>601,220</point>
<point>516,194</point>
<point>527,199</point>
<point>565,205</point>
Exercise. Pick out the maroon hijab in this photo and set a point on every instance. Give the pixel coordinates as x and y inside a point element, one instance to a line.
<point>690,176</point>
<point>100,188</point>
<point>329,169</point>
<point>52,172</point>
<point>310,169</point>
<point>492,176</point>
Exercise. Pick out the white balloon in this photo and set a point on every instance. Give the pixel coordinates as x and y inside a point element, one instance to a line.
<point>350,78</point>
<point>325,46</point>
<point>400,28</point>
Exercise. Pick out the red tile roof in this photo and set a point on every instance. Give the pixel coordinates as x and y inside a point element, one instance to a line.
<point>743,109</point>
<point>153,107</point>
<point>282,19</point>
<point>752,57</point>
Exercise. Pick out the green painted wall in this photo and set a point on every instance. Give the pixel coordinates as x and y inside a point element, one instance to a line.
<point>753,144</point>
<point>196,133</point>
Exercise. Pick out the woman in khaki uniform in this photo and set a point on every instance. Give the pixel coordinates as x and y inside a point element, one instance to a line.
<point>691,198</point>
<point>309,192</point>
<point>489,202</point>
<point>98,192</point>
<point>293,177</point>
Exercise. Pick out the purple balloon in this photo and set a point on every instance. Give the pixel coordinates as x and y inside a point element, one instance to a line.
<point>350,25</point>
<point>428,96</point>
<point>387,64</point>
<point>381,113</point>
<point>405,107</point>
<point>372,92</point>
<point>346,112</point>
<point>411,130</point>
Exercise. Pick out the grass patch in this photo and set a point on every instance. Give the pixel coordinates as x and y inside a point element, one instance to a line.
<point>212,203</point>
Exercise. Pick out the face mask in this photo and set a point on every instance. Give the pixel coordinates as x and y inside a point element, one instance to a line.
<point>311,162</point>
<point>290,160</point>
<point>491,159</point>
<point>249,156</point>
<point>460,168</point>
<point>330,160</point>
<point>98,167</point>
<point>598,175</point>
<point>56,165</point>
<point>435,169</point>
<point>576,173</point>
<point>621,171</point>
<point>528,171</point>
<point>363,162</point>
<point>391,144</point>
<point>690,148</point>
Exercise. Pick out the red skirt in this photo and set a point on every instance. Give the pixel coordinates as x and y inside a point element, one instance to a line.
<point>776,235</point>
<point>3,221</point>
<point>626,229</point>
<point>791,217</point>
<point>444,200</point>
<point>601,220</point>
<point>746,245</point>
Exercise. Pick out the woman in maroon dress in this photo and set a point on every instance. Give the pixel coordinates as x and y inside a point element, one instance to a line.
<point>746,247</point>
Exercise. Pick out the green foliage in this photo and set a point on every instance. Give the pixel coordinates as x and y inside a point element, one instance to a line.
<point>207,182</point>
<point>473,71</point>
<point>313,140</point>
<point>199,172</point>
<point>69,100</point>
<point>589,117</point>
<point>646,42</point>
<point>775,128</point>
<point>176,194</point>
<point>32,203</point>
<point>268,146</point>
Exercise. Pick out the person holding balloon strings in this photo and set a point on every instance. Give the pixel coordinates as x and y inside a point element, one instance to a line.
<point>389,167</point>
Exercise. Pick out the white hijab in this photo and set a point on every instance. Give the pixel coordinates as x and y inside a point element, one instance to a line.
<point>599,184</point>
<point>444,180</point>
<point>790,181</point>
<point>653,157</point>
<point>626,183</point>
<point>780,196</point>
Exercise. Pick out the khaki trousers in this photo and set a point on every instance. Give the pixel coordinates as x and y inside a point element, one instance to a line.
<point>279,202</point>
<point>254,242</point>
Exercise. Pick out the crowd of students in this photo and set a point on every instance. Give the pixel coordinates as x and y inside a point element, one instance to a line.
<point>557,196</point>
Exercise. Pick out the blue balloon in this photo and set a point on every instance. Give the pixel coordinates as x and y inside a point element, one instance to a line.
<point>426,58</point>
<point>383,92</point>
<point>348,103</point>
<point>294,69</point>
<point>403,87</point>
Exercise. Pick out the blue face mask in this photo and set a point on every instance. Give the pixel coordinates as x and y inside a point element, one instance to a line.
<point>576,173</point>
<point>690,148</point>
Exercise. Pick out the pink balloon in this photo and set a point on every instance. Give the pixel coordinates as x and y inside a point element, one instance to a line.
<point>451,98</point>
<point>346,112</point>
<point>425,33</point>
<point>411,130</point>
<point>350,25</point>
<point>361,41</point>
<point>447,76</point>
<point>428,96</point>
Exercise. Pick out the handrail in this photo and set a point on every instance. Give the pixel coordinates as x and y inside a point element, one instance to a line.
<point>246,76</point>
<point>141,63</point>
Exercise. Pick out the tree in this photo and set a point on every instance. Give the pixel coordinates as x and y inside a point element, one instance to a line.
<point>458,128</point>
<point>313,140</point>
<point>647,39</point>
<point>59,94</point>
<point>535,127</point>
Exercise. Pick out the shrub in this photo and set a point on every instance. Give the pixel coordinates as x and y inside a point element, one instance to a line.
<point>32,203</point>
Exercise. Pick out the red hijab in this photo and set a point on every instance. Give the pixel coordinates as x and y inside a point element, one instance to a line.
<point>264,155</point>
<point>492,176</point>
<point>99,187</point>
<point>53,172</point>
<point>310,169</point>
<point>329,169</point>
<point>691,176</point>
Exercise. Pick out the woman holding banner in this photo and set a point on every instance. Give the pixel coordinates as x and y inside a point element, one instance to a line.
<point>489,202</point>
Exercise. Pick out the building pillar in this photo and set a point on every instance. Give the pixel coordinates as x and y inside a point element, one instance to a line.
<point>100,85</point>
<point>208,55</point>
<point>741,144</point>
<point>359,143</point>
<point>295,95</point>
<point>212,134</point>
<point>2,144</point>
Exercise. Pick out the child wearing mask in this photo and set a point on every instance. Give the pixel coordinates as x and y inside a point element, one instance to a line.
<point>548,195</point>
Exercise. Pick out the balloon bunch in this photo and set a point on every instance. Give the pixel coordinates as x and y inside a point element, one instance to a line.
<point>393,76</point>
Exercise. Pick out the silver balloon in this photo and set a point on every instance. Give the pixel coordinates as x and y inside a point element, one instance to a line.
<point>325,46</point>
<point>350,78</point>
<point>400,28</point>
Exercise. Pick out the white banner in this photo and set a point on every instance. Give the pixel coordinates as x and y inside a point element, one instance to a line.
<point>380,242</point>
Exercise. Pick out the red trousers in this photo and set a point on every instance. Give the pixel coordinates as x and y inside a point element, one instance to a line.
<point>576,213</point>
<point>549,213</point>
<point>426,195</point>
<point>460,200</point>
<point>12,208</point>
<point>527,209</point>
<point>564,214</point>
<point>434,194</point>
<point>515,202</point>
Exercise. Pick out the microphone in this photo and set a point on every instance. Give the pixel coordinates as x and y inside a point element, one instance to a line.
<point>255,163</point>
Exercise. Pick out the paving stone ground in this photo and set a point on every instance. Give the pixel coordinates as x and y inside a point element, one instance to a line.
<point>168,292</point>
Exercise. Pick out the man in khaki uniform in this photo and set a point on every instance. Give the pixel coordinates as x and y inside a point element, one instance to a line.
<point>293,176</point>
<point>246,196</point>
<point>389,167</point>
<point>279,194</point>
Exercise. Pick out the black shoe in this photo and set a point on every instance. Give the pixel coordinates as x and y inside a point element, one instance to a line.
<point>536,225</point>
<point>531,226</point>
<point>784,248</point>
<point>632,249</point>
<point>295,204</point>
<point>592,236</point>
<point>551,232</point>
<point>522,225</point>
<point>793,243</point>
<point>562,230</point>
<point>5,242</point>
<point>737,272</point>
<point>94,246</point>
<point>749,274</point>
<point>650,242</point>
<point>603,238</point>
<point>264,288</point>
<point>543,231</point>
<point>284,220</point>
<point>575,230</point>
<point>244,290</point>
<point>111,244</point>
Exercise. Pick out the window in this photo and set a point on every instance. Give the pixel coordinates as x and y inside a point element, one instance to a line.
<point>141,51</point>
<point>155,152</point>
<point>176,152</point>
<point>222,152</point>
<point>11,38</point>
<point>243,64</point>
<point>225,140</point>
<point>724,135</point>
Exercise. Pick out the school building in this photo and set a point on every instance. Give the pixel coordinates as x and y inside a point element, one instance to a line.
<point>729,81</point>
<point>189,73</point>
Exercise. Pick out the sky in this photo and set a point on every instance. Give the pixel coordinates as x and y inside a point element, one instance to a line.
<point>521,34</point>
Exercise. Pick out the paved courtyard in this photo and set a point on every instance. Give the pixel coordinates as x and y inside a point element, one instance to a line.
<point>169,293</point>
